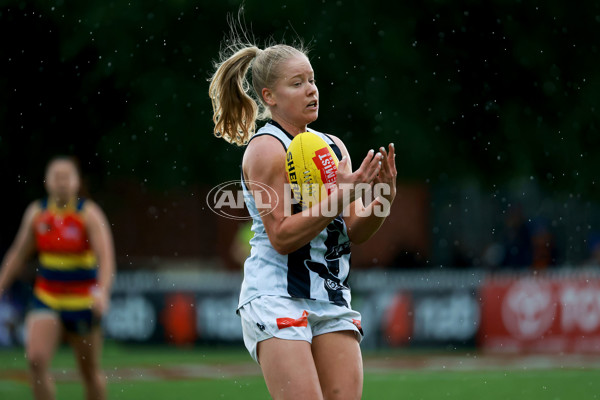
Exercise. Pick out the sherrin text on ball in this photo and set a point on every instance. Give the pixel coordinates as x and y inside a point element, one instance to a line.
<point>311,168</point>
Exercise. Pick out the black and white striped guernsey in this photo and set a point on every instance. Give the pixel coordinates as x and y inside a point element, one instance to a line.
<point>318,270</point>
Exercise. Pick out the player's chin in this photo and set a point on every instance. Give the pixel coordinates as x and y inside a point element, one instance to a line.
<point>312,115</point>
<point>63,194</point>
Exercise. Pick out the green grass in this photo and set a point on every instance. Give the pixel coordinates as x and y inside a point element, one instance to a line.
<point>512,384</point>
<point>484,385</point>
<point>247,388</point>
<point>120,355</point>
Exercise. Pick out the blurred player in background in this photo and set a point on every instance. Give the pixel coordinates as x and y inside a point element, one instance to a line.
<point>74,276</point>
<point>295,299</point>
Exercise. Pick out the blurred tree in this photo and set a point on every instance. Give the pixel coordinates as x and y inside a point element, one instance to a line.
<point>490,91</point>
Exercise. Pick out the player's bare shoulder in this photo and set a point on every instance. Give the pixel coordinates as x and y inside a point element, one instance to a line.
<point>92,213</point>
<point>32,211</point>
<point>263,151</point>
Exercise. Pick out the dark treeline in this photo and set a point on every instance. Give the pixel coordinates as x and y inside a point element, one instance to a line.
<point>488,91</point>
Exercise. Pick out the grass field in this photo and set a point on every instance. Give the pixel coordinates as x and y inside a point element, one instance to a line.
<point>146,373</point>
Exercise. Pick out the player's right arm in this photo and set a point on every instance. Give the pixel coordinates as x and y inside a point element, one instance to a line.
<point>21,250</point>
<point>264,161</point>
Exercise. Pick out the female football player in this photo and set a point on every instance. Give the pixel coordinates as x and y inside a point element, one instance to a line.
<point>76,266</point>
<point>295,299</point>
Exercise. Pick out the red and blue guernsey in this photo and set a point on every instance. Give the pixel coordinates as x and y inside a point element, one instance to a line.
<point>68,267</point>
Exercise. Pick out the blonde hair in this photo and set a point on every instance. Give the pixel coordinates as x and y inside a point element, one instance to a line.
<point>235,106</point>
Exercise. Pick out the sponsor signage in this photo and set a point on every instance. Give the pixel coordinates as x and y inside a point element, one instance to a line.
<point>445,317</point>
<point>547,315</point>
<point>179,318</point>
<point>556,313</point>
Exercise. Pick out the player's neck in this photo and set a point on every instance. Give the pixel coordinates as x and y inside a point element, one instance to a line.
<point>289,127</point>
<point>61,203</point>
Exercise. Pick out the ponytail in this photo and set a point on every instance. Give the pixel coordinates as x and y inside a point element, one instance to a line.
<point>234,110</point>
<point>236,106</point>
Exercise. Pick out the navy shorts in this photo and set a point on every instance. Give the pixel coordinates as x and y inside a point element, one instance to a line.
<point>79,322</point>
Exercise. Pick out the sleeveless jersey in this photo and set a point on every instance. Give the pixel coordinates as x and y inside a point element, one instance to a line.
<point>318,270</point>
<point>67,268</point>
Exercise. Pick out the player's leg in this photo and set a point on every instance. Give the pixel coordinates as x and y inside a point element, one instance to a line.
<point>339,365</point>
<point>277,335</point>
<point>289,369</point>
<point>43,336</point>
<point>88,352</point>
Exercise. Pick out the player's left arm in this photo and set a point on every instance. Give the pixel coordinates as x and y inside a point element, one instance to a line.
<point>363,220</point>
<point>101,241</point>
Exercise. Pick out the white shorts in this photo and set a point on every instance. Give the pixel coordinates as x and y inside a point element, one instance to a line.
<point>294,319</point>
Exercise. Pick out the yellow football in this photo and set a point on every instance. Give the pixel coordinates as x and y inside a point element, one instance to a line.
<point>311,168</point>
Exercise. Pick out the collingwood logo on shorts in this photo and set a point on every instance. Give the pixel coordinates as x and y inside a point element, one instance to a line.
<point>260,326</point>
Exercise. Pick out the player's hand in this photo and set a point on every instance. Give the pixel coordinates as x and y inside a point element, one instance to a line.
<point>388,173</point>
<point>365,174</point>
<point>101,301</point>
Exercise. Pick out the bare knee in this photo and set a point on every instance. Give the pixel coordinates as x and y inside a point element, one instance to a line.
<point>95,383</point>
<point>333,393</point>
<point>39,361</point>
<point>338,389</point>
<point>43,334</point>
<point>87,356</point>
<point>340,393</point>
<point>90,372</point>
